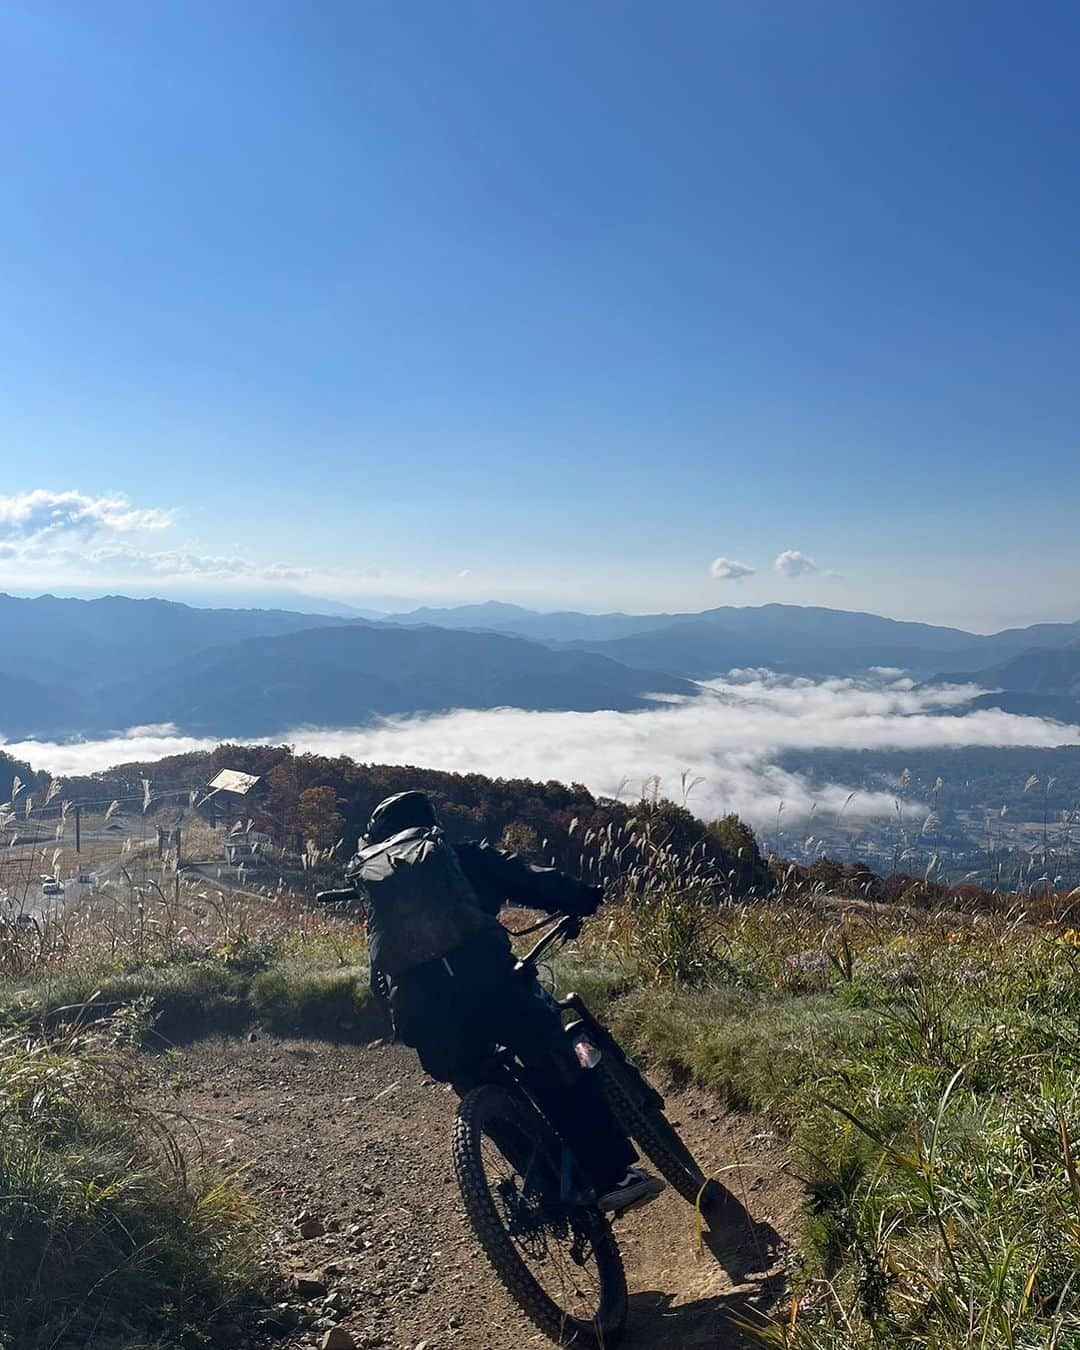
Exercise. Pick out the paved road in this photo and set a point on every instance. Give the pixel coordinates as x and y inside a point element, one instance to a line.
<point>26,895</point>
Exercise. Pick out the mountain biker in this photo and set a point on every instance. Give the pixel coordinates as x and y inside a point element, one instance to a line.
<point>464,995</point>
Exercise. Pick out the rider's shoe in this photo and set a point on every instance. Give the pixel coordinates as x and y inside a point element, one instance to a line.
<point>637,1188</point>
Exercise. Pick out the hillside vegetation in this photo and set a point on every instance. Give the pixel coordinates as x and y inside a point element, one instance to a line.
<point>928,1071</point>
<point>110,1235</point>
<point>921,1057</point>
<point>924,1065</point>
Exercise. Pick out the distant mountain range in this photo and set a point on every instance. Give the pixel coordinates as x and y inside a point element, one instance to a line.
<point>1044,670</point>
<point>1043,682</point>
<point>797,639</point>
<point>564,626</point>
<point>79,667</point>
<point>343,676</point>
<point>90,643</point>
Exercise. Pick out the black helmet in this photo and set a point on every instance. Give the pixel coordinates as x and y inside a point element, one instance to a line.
<point>403,811</point>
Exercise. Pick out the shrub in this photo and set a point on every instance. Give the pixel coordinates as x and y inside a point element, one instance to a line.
<point>107,1235</point>
<point>318,1002</point>
<point>183,999</point>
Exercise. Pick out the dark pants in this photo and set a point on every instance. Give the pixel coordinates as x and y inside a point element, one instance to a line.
<point>455,1012</point>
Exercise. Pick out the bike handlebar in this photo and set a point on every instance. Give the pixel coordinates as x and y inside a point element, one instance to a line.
<point>332,897</point>
<point>565,926</point>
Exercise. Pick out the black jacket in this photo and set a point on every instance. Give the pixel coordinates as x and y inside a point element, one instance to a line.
<point>501,878</point>
<point>418,998</point>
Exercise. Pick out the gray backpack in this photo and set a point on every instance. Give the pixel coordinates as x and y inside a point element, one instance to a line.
<point>421,903</point>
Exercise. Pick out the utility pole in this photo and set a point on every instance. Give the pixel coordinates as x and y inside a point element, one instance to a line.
<point>78,828</point>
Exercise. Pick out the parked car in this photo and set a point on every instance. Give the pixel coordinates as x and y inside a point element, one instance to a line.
<point>51,887</point>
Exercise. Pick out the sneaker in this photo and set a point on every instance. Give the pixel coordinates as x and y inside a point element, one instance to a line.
<point>637,1188</point>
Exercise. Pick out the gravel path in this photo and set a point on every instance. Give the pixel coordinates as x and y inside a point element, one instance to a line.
<point>350,1145</point>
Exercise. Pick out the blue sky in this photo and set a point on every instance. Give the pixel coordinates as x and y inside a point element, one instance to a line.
<point>552,302</point>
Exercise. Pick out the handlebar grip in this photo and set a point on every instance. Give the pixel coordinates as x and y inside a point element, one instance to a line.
<point>332,897</point>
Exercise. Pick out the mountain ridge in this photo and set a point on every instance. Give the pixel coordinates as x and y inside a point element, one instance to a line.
<point>344,676</point>
<point>1042,681</point>
<point>317,672</point>
<point>74,666</point>
<point>704,643</point>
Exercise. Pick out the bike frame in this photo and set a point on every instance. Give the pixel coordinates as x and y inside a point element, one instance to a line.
<point>563,925</point>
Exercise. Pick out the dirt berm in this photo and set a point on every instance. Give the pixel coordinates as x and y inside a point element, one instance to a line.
<point>352,1145</point>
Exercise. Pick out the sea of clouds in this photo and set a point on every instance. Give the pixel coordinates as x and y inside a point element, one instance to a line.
<point>730,737</point>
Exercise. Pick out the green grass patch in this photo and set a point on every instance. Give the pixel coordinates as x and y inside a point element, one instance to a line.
<point>295,998</point>
<point>927,1068</point>
<point>600,984</point>
<point>186,999</point>
<point>312,988</point>
<point>106,1237</point>
<point>757,1053</point>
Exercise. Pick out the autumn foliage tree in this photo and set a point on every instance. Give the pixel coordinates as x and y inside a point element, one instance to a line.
<point>520,838</point>
<point>301,797</point>
<point>318,816</point>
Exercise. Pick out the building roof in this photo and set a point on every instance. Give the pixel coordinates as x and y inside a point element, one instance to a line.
<point>232,780</point>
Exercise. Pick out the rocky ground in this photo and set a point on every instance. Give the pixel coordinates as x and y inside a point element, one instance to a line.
<point>347,1149</point>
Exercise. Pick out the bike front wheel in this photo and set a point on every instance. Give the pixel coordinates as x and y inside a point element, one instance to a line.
<point>658,1139</point>
<point>561,1266</point>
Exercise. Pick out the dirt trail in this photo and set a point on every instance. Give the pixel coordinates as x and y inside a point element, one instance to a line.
<point>357,1139</point>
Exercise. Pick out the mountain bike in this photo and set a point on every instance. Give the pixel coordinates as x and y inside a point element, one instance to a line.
<point>535,1219</point>
<point>524,1196</point>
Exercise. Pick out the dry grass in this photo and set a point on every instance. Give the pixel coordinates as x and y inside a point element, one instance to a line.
<point>110,1236</point>
<point>924,1059</point>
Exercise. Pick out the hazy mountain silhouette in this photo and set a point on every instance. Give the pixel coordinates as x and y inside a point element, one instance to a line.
<point>1044,682</point>
<point>1046,670</point>
<point>33,708</point>
<point>343,676</point>
<point>800,639</point>
<point>564,626</point>
<point>95,642</point>
<point>86,666</point>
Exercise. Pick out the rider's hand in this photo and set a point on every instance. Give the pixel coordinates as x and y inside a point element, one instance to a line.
<point>592,897</point>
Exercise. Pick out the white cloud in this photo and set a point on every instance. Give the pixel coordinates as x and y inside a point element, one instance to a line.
<point>34,518</point>
<point>187,563</point>
<point>136,745</point>
<point>727,569</point>
<point>733,734</point>
<point>792,563</point>
<point>69,541</point>
<point>72,536</point>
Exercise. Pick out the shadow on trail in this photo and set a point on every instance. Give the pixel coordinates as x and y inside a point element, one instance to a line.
<point>744,1255</point>
<point>738,1242</point>
<point>704,1324</point>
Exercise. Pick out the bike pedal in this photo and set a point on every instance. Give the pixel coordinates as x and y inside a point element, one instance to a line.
<point>638,1204</point>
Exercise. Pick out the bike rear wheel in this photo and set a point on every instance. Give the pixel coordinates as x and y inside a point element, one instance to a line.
<point>561,1267</point>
